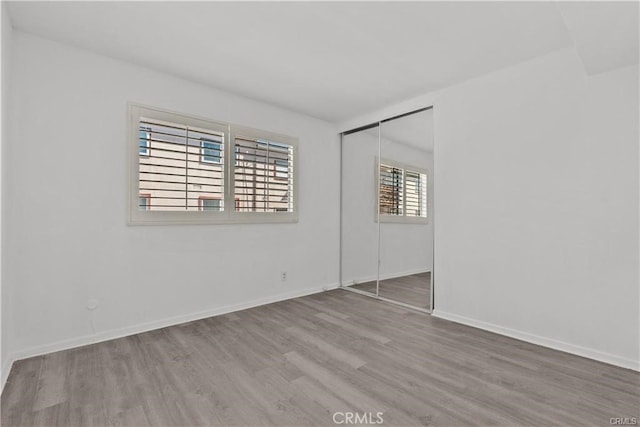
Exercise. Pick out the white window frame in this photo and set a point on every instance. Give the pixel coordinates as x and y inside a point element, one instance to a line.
<point>229,215</point>
<point>400,219</point>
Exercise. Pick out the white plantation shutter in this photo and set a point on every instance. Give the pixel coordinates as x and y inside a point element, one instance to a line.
<point>196,171</point>
<point>263,175</point>
<point>415,194</point>
<point>179,166</point>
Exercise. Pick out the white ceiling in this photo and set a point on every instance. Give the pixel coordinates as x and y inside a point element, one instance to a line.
<point>330,60</point>
<point>606,33</point>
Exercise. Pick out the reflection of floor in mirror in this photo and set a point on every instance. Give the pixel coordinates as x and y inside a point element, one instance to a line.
<point>414,289</point>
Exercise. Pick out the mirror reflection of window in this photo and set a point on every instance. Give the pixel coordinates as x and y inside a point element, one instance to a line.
<point>391,190</point>
<point>403,191</point>
<point>416,194</point>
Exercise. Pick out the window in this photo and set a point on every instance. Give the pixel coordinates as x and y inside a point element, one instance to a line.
<point>172,172</point>
<point>281,168</point>
<point>144,202</point>
<point>145,140</point>
<point>210,151</point>
<point>263,179</point>
<point>402,193</point>
<point>209,204</point>
<point>184,164</point>
<point>236,150</point>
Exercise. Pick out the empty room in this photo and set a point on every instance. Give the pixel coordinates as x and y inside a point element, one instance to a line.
<point>320,213</point>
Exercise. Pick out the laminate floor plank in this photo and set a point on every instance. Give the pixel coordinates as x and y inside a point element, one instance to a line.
<point>322,345</point>
<point>298,362</point>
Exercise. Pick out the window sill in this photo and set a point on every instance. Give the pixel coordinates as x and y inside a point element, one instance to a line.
<point>207,218</point>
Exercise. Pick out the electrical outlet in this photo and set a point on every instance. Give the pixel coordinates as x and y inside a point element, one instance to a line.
<point>283,276</point>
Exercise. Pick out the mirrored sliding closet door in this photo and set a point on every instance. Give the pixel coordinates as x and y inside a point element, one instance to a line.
<point>360,231</point>
<point>406,226</point>
<point>387,210</point>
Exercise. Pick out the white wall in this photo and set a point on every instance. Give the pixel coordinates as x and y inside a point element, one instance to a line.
<point>404,248</point>
<point>537,195</point>
<point>67,240</point>
<point>7,33</point>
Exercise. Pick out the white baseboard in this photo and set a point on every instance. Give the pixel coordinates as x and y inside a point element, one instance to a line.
<point>590,353</point>
<point>149,326</point>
